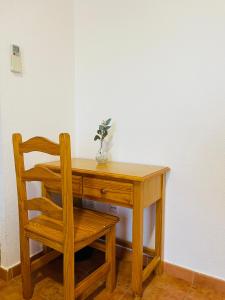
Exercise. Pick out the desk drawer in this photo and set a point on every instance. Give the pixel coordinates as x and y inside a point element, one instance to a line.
<point>108,190</point>
<point>77,185</point>
<point>55,187</point>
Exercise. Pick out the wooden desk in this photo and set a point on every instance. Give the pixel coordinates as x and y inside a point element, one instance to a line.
<point>130,185</point>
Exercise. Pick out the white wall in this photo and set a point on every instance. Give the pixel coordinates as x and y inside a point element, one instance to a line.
<point>38,102</point>
<point>158,68</point>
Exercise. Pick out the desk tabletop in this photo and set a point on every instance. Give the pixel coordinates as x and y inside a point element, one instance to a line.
<point>129,171</point>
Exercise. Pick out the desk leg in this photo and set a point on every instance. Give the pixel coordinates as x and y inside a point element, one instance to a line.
<point>159,228</point>
<point>137,255</point>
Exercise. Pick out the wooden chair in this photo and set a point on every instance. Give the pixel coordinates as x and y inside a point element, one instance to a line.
<point>64,229</point>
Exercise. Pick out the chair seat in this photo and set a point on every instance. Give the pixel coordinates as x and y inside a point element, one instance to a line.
<point>88,225</point>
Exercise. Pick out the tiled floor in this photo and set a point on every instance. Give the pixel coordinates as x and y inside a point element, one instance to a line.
<point>49,284</point>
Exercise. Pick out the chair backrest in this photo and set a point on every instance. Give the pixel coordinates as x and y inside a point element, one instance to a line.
<point>61,182</point>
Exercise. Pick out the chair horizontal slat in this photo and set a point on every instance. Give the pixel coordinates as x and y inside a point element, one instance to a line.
<point>46,206</point>
<point>40,144</point>
<point>44,259</point>
<point>40,174</point>
<point>91,279</point>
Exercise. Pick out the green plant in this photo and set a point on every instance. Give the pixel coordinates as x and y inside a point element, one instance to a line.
<point>102,132</point>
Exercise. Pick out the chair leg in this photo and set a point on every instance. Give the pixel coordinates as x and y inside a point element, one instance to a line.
<point>68,274</point>
<point>26,269</point>
<point>111,258</point>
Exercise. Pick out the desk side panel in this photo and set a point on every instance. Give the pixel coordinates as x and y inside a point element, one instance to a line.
<point>152,190</point>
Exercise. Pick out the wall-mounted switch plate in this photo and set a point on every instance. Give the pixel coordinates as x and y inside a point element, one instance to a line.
<point>16,63</point>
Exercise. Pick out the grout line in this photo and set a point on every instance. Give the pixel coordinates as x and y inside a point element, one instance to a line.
<point>193,279</point>
<point>188,292</point>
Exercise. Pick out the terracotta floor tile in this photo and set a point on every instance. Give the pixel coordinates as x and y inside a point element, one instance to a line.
<point>166,287</point>
<point>2,283</point>
<point>104,295</point>
<point>127,295</point>
<point>201,280</point>
<point>204,294</point>
<point>49,284</point>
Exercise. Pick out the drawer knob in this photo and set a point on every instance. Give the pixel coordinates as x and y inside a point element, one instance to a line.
<point>103,191</point>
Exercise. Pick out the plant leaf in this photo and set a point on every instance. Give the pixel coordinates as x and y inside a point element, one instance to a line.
<point>97,137</point>
<point>104,134</point>
<point>108,121</point>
